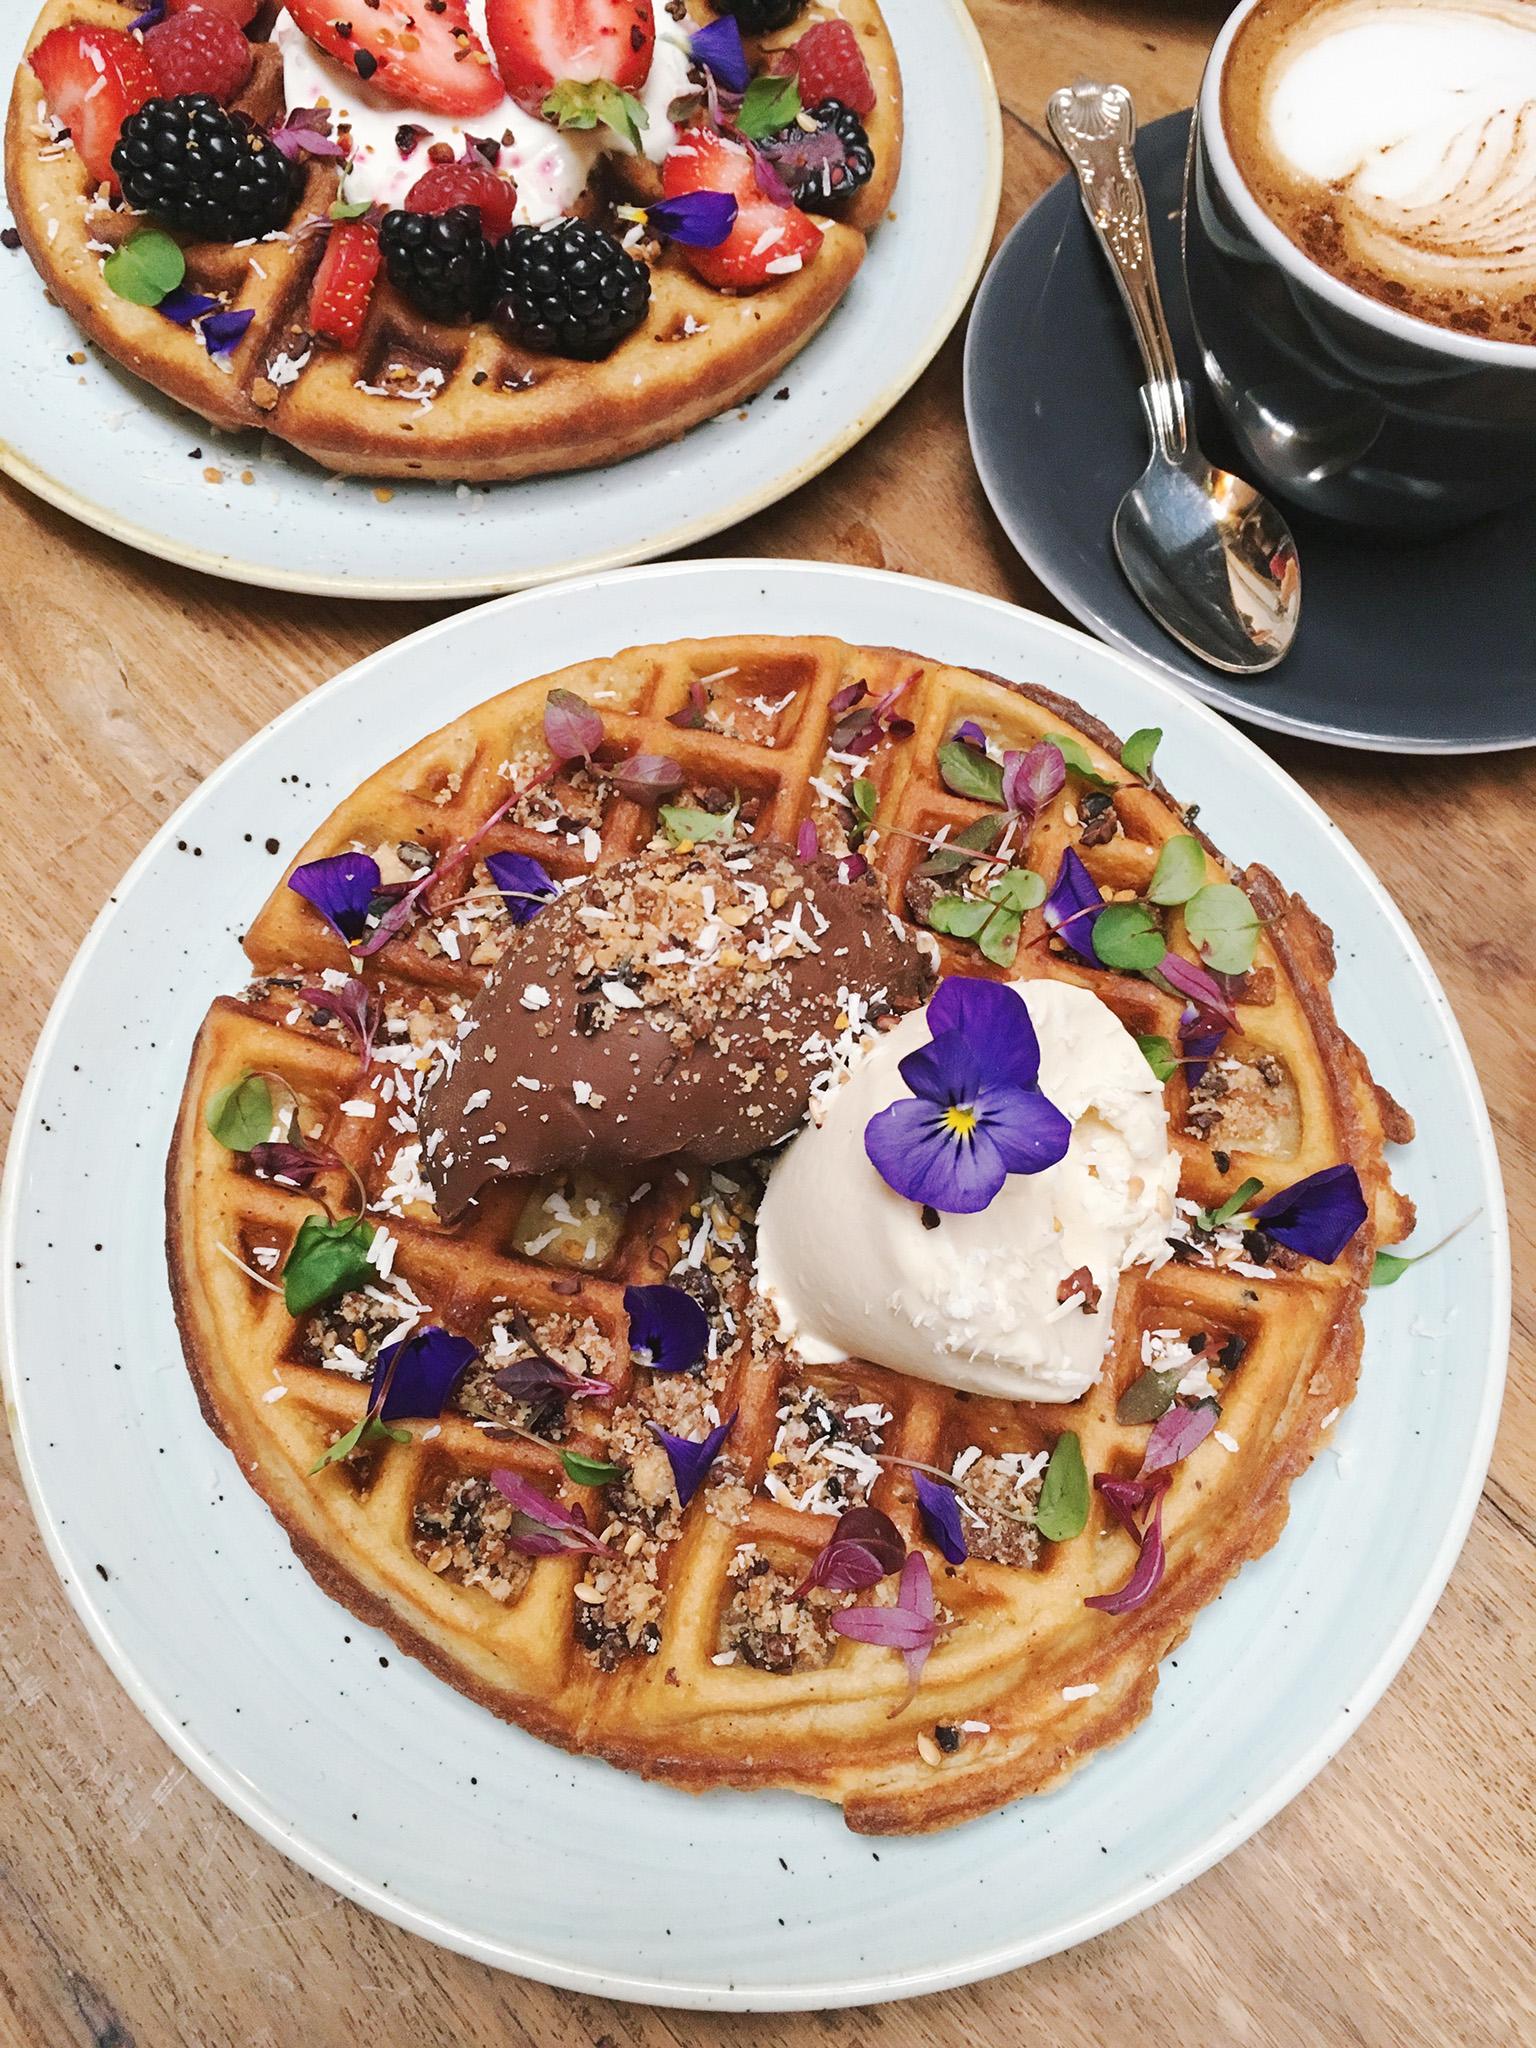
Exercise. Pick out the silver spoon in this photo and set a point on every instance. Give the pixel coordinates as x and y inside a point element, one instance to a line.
<point>1209,557</point>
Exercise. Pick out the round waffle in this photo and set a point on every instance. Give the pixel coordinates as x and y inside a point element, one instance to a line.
<point>689,1658</point>
<point>417,398</point>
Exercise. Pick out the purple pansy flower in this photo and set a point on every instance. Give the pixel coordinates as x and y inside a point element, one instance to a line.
<point>864,1548</point>
<point>939,1506</point>
<point>908,1626</point>
<point>976,1114</point>
<point>414,1376</point>
<point>1072,908</point>
<point>524,885</point>
<point>668,1326</point>
<point>698,220</point>
<point>220,331</point>
<point>972,735</point>
<point>152,16</point>
<point>184,307</point>
<point>1200,1040</point>
<point>340,887</point>
<point>1317,1216</point>
<point>718,47</point>
<point>690,1461</point>
<point>541,1525</point>
<point>1031,780</point>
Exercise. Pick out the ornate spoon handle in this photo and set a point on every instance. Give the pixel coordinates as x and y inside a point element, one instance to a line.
<point>1095,127</point>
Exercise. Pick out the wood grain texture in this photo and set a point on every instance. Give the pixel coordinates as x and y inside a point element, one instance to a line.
<point>1391,1904</point>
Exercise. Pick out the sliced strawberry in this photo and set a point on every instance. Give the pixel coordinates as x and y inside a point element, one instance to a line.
<point>540,44</point>
<point>343,286</point>
<point>832,67</point>
<point>93,79</point>
<point>424,56</point>
<point>466,183</point>
<point>769,241</point>
<point>241,12</point>
<point>199,51</point>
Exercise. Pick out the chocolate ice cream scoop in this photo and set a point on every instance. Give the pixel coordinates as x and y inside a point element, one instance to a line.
<point>676,1002</point>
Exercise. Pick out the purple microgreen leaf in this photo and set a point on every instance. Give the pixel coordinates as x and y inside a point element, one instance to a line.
<point>299,1165</point>
<point>694,713</point>
<point>541,1525</point>
<point>1129,1499</point>
<point>355,1007</point>
<point>1148,1573</point>
<point>851,866</point>
<point>306,132</point>
<point>962,849</point>
<point>847,697</point>
<point>690,1462</point>
<point>1031,780</point>
<point>221,331</point>
<point>771,181</point>
<point>525,886</point>
<point>340,887</point>
<point>908,1626</point>
<point>1316,1216</point>
<point>647,778</point>
<point>939,1508</point>
<point>1188,979</point>
<point>807,840</point>
<point>697,220</point>
<point>572,728</point>
<point>1074,906</point>
<point>1177,1433</point>
<point>184,306</point>
<point>526,1378</point>
<point>718,47</point>
<point>413,1377</point>
<point>668,1330</point>
<point>864,1548</point>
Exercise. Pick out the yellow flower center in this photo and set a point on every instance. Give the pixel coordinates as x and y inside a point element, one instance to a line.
<point>960,1120</point>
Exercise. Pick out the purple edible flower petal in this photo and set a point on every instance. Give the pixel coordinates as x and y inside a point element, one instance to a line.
<point>972,735</point>
<point>718,47</point>
<point>771,181</point>
<point>340,887</point>
<point>698,220</point>
<point>1177,1433</point>
<point>807,840</point>
<point>864,1548</point>
<point>1031,780</point>
<point>647,778</point>
<point>939,1506</point>
<point>994,1016</point>
<point>1148,1574</point>
<point>220,331</point>
<point>690,1462</point>
<point>1200,1039</point>
<point>1199,985</point>
<point>152,16</point>
<point>542,1526</point>
<point>573,730</point>
<point>667,1325</point>
<point>1072,908</point>
<point>354,1006</point>
<point>184,307</point>
<point>524,885</point>
<point>414,1376</point>
<point>1317,1216</point>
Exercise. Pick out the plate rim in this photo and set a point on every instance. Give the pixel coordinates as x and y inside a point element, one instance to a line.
<point>1241,1823</point>
<point>685,533</point>
<point>1164,661</point>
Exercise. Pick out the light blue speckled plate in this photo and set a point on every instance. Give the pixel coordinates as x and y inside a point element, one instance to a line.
<point>406,1796</point>
<point>105,448</point>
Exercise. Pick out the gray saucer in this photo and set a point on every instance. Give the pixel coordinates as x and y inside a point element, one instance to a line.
<point>1421,646</point>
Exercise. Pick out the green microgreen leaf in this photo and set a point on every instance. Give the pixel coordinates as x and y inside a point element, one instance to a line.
<point>1128,936</point>
<point>1160,1055</point>
<point>1180,871</point>
<point>1149,1395</point>
<point>1077,761</point>
<point>1019,890</point>
<point>350,209</point>
<point>588,1471</point>
<point>970,774</point>
<point>1388,1267</point>
<point>146,267</point>
<point>1223,926</point>
<point>1062,1509</point>
<point>770,104</point>
<point>240,1115</point>
<point>1136,754</point>
<point>1213,1219</point>
<point>328,1259</point>
<point>599,104</point>
<point>961,849</point>
<point>369,1430</point>
<point>999,941</point>
<point>866,800</point>
<point>685,827</point>
<point>959,917</point>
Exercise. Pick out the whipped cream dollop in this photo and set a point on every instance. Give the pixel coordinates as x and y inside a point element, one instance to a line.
<point>851,1271</point>
<point>550,167</point>
<point>1423,119</point>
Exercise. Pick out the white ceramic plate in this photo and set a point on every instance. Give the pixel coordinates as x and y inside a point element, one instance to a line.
<point>105,448</point>
<point>410,1799</point>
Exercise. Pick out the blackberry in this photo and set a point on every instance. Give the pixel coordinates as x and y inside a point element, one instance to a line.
<point>568,289</point>
<point>441,262</point>
<point>759,17</point>
<point>199,167</point>
<point>830,161</point>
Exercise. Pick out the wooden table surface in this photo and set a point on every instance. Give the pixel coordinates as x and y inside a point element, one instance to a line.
<point>1391,1903</point>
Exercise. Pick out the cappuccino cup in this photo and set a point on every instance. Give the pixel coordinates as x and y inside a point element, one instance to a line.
<point>1360,253</point>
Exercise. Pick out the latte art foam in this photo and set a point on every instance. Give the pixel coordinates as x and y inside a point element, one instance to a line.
<point>1396,144</point>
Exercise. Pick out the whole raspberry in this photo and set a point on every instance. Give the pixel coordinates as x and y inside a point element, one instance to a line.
<point>832,67</point>
<point>469,182</point>
<point>199,51</point>
<point>241,12</point>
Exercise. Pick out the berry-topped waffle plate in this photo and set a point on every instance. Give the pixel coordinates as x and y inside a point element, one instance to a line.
<point>475,1832</point>
<point>396,308</point>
